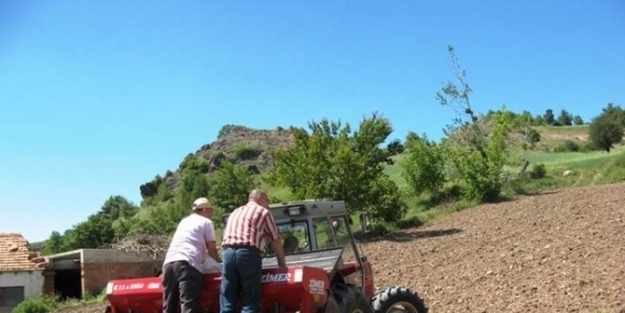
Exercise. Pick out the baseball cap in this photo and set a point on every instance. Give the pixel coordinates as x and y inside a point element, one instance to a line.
<point>201,203</point>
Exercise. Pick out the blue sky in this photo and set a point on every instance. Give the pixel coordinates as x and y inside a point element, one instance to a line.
<point>98,97</point>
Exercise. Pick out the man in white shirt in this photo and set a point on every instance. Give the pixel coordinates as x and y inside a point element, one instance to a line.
<point>182,268</point>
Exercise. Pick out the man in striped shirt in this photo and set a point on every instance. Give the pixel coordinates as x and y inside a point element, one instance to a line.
<point>242,244</point>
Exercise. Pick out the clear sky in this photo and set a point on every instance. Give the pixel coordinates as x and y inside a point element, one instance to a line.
<point>98,97</point>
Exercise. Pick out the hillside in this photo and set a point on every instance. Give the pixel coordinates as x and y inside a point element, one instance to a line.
<point>243,145</point>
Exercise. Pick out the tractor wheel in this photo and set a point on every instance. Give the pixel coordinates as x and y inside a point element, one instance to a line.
<point>351,299</point>
<point>396,300</point>
<point>108,309</point>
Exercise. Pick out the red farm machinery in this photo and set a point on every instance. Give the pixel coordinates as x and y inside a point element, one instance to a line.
<point>327,272</point>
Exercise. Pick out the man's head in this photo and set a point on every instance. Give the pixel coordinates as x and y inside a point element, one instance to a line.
<point>260,197</point>
<point>290,245</point>
<point>202,207</point>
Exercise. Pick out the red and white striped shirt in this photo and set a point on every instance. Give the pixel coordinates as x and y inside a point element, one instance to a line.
<point>248,224</point>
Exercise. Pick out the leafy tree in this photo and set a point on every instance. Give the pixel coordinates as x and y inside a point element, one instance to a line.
<point>577,120</point>
<point>54,244</point>
<point>230,185</point>
<point>160,221</point>
<point>333,163</point>
<point>117,207</point>
<point>549,117</point>
<point>164,193</point>
<point>395,147</point>
<point>477,154</point>
<point>539,120</point>
<point>605,131</point>
<point>194,163</point>
<point>565,118</point>
<point>423,167</point>
<point>533,137</point>
<point>389,206</point>
<point>95,232</point>
<point>193,186</point>
<point>614,112</point>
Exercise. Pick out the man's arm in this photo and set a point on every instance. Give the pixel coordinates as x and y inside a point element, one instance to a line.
<point>274,237</point>
<point>277,248</point>
<point>211,241</point>
<point>211,246</point>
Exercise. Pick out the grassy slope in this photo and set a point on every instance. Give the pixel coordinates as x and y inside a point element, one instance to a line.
<point>589,168</point>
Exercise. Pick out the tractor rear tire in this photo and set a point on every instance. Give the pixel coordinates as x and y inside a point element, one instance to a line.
<point>351,299</point>
<point>388,299</point>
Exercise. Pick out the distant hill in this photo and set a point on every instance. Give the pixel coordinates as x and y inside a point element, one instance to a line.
<point>239,144</point>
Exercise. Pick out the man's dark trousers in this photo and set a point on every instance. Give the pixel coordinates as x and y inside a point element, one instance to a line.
<point>183,282</point>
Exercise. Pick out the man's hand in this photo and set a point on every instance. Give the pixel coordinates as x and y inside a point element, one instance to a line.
<point>277,248</point>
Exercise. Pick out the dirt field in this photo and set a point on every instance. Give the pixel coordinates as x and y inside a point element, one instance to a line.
<point>561,251</point>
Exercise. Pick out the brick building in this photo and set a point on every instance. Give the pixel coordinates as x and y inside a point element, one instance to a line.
<point>80,272</point>
<point>21,271</point>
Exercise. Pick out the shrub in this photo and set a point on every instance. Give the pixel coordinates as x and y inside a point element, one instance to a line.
<point>567,146</point>
<point>245,152</point>
<point>42,304</point>
<point>587,147</point>
<point>538,171</point>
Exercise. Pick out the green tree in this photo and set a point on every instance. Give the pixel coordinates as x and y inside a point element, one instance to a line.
<point>231,185</point>
<point>539,120</point>
<point>95,232</point>
<point>549,117</point>
<point>395,147</point>
<point>423,167</point>
<point>565,118</point>
<point>605,131</point>
<point>477,154</point>
<point>194,163</point>
<point>116,207</point>
<point>577,120</point>
<point>333,163</point>
<point>614,112</point>
<point>389,206</point>
<point>54,244</point>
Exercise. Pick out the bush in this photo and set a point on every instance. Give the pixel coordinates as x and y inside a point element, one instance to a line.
<point>42,304</point>
<point>587,147</point>
<point>567,146</point>
<point>245,152</point>
<point>538,171</point>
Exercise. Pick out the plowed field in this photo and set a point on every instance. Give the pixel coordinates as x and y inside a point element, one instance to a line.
<point>561,251</point>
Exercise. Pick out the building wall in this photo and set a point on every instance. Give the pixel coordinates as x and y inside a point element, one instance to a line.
<point>100,266</point>
<point>31,281</point>
<point>95,276</point>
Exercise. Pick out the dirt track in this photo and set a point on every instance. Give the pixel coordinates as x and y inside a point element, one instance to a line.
<point>562,251</point>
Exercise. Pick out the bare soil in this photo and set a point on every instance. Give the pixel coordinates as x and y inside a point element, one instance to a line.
<point>560,251</point>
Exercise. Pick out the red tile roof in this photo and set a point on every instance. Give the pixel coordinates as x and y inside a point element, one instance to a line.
<point>15,255</point>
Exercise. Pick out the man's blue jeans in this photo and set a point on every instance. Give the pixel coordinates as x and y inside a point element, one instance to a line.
<point>241,272</point>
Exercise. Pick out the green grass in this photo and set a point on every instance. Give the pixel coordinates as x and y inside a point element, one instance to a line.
<point>564,129</point>
<point>46,303</point>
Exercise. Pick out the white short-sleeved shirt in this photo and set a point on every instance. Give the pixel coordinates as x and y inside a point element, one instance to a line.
<point>189,241</point>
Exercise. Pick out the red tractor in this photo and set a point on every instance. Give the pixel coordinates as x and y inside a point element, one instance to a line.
<point>326,271</point>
